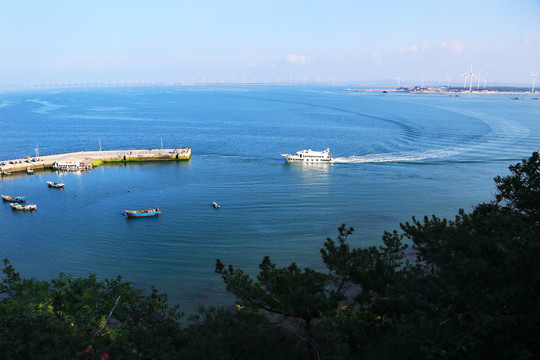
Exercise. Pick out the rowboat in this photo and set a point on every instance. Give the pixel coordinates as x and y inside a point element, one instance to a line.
<point>29,207</point>
<point>55,185</point>
<point>141,213</point>
<point>14,198</point>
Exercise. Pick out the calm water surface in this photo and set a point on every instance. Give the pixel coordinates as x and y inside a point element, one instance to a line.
<point>397,155</point>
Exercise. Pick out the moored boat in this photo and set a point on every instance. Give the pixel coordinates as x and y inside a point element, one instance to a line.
<point>29,207</point>
<point>309,156</point>
<point>72,165</point>
<point>29,170</point>
<point>216,205</point>
<point>14,198</point>
<point>141,213</point>
<point>55,185</point>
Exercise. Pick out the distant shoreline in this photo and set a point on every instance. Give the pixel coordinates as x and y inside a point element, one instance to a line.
<point>451,91</point>
<point>364,87</point>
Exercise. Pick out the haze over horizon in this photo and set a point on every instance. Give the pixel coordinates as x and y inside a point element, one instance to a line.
<point>269,41</point>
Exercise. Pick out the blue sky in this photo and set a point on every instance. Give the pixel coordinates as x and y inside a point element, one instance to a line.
<point>261,41</point>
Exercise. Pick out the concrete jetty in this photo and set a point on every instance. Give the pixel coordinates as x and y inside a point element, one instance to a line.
<point>96,158</point>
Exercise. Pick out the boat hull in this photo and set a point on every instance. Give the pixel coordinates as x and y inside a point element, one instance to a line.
<point>142,213</point>
<point>55,185</point>
<point>29,207</point>
<point>296,159</point>
<point>14,198</point>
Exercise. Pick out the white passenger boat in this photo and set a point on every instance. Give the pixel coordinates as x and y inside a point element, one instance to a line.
<point>309,156</point>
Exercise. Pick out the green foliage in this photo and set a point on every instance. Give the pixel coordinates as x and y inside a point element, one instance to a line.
<point>374,268</point>
<point>223,334</point>
<point>82,318</point>
<point>471,291</point>
<point>290,293</point>
<point>521,189</point>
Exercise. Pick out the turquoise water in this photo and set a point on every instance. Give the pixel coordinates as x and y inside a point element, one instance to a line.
<point>397,155</point>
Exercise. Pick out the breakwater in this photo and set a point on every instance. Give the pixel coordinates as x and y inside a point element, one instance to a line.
<point>95,158</point>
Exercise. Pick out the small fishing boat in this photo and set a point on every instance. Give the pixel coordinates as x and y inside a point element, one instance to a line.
<point>55,185</point>
<point>29,207</point>
<point>216,205</point>
<point>14,198</point>
<point>141,213</point>
<point>29,170</point>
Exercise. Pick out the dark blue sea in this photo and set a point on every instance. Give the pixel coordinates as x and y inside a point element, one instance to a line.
<point>398,155</point>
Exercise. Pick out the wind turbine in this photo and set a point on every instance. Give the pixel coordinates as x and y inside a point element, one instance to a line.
<point>485,79</point>
<point>534,81</point>
<point>448,82</point>
<point>465,77</point>
<point>471,75</point>
<point>479,76</point>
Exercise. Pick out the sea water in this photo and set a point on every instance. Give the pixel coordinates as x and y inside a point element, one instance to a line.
<point>397,155</point>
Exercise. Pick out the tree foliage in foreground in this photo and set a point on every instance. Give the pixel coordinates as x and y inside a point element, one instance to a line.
<point>83,318</point>
<point>465,288</point>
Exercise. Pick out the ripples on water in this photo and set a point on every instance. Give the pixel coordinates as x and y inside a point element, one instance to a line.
<point>396,155</point>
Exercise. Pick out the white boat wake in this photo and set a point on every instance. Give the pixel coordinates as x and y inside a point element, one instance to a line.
<point>503,133</point>
<point>396,157</point>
